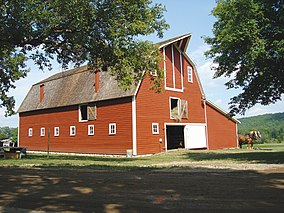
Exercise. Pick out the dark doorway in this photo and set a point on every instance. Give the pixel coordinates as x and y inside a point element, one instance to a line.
<point>175,137</point>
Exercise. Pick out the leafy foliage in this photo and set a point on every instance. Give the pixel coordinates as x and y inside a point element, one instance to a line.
<point>7,132</point>
<point>271,127</point>
<point>248,44</point>
<point>100,32</point>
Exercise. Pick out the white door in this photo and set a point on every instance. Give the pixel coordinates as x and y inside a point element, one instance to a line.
<point>195,136</point>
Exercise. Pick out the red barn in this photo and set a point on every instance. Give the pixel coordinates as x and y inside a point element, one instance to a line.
<point>86,112</point>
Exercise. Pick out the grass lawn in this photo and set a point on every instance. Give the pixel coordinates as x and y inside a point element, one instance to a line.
<point>263,154</point>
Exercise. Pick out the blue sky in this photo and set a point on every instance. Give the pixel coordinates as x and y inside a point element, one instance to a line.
<point>184,16</point>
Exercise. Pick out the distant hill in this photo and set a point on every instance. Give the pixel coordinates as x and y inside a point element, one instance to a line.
<point>271,127</point>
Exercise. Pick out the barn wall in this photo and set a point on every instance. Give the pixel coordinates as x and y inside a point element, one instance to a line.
<point>116,111</point>
<point>153,107</point>
<point>221,130</point>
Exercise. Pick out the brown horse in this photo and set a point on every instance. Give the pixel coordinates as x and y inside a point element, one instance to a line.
<point>249,139</point>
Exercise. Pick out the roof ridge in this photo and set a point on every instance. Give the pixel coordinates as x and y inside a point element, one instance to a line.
<point>65,73</point>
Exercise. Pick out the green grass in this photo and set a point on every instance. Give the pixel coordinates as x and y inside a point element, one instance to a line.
<point>264,153</point>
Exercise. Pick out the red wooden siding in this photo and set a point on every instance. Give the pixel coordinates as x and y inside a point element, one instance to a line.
<point>169,67</point>
<point>221,130</point>
<point>153,107</point>
<point>116,111</point>
<point>177,69</point>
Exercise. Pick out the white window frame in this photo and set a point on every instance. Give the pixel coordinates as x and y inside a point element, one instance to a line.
<point>72,130</point>
<point>30,132</point>
<point>112,129</point>
<point>91,130</point>
<point>42,132</point>
<point>155,128</point>
<point>189,74</point>
<point>80,114</point>
<point>56,131</point>
<point>178,105</point>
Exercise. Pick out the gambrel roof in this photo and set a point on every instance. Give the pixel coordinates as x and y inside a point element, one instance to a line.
<point>72,87</point>
<point>76,86</point>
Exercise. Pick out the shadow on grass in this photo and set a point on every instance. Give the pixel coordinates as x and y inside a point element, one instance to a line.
<point>255,157</point>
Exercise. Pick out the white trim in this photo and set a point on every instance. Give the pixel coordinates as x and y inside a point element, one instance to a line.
<point>173,41</point>
<point>134,127</point>
<point>181,70</point>
<point>165,67</point>
<point>112,131</point>
<point>80,115</point>
<point>237,136</point>
<point>157,132</point>
<point>178,124</point>
<point>173,67</point>
<point>189,69</point>
<point>18,139</point>
<point>55,132</point>
<point>91,133</point>
<point>173,89</point>
<point>71,130</point>
<point>42,132</point>
<point>206,121</point>
<point>30,132</point>
<point>178,105</point>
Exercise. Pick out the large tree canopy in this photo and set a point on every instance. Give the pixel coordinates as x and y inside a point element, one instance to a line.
<point>248,46</point>
<point>100,32</point>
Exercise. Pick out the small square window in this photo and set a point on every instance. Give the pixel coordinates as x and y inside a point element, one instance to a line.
<point>30,132</point>
<point>42,132</point>
<point>72,130</point>
<point>155,128</point>
<point>112,129</point>
<point>91,130</point>
<point>56,131</point>
<point>189,74</point>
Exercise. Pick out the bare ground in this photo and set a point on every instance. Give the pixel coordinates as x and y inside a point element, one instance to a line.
<point>218,188</point>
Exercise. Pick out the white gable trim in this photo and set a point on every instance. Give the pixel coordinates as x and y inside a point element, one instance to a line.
<point>134,127</point>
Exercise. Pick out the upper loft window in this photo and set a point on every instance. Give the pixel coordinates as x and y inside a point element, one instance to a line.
<point>189,74</point>
<point>154,73</point>
<point>87,113</point>
<point>178,109</point>
<point>174,107</point>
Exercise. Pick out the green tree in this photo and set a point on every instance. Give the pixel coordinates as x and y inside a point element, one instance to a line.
<point>248,45</point>
<point>101,32</point>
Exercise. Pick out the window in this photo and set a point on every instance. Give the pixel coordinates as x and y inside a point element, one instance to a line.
<point>154,73</point>
<point>42,132</point>
<point>175,107</point>
<point>178,109</point>
<point>83,113</point>
<point>189,74</point>
<point>112,129</point>
<point>72,130</point>
<point>155,128</point>
<point>87,113</point>
<point>56,131</point>
<point>30,132</point>
<point>91,130</point>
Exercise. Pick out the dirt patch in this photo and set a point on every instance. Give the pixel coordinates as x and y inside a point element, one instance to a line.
<point>222,165</point>
<point>198,189</point>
